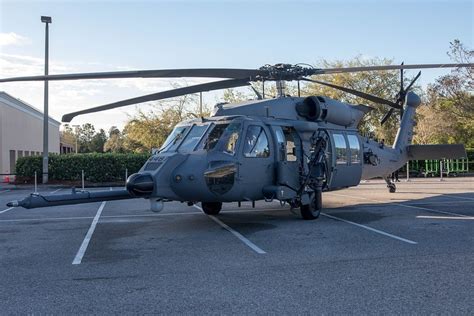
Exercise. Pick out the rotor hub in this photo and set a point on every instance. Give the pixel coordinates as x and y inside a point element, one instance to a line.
<point>287,72</point>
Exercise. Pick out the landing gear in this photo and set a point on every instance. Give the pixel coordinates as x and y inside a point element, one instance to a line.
<point>313,209</point>
<point>211,208</point>
<point>156,205</point>
<point>392,188</point>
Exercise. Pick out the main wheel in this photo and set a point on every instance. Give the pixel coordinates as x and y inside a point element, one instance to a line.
<point>211,208</point>
<point>310,211</point>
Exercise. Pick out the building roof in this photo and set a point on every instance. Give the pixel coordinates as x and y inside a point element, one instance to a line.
<point>21,105</point>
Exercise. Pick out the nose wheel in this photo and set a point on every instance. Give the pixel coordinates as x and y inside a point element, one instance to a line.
<point>211,208</point>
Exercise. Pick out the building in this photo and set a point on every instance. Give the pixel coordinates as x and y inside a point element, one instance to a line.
<point>66,145</point>
<point>21,132</point>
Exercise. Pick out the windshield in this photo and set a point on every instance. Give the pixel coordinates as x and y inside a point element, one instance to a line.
<point>193,137</point>
<point>173,140</point>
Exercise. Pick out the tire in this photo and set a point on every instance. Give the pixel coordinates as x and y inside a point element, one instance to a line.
<point>392,188</point>
<point>211,208</point>
<point>309,212</point>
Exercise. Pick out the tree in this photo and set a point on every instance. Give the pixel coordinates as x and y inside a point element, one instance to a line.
<point>384,84</point>
<point>448,116</point>
<point>84,135</point>
<point>149,129</point>
<point>97,142</point>
<point>67,135</point>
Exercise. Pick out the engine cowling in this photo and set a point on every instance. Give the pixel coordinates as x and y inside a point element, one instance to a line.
<point>317,108</point>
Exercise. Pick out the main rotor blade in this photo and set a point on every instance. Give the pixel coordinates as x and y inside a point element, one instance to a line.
<point>163,73</point>
<point>361,94</point>
<point>390,67</point>
<point>224,84</point>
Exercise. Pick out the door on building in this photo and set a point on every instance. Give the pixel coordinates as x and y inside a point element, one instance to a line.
<point>12,161</point>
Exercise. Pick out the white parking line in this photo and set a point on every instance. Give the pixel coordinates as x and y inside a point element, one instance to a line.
<point>448,217</point>
<point>85,242</point>
<point>4,191</point>
<point>45,219</point>
<point>400,204</point>
<point>250,244</point>
<point>8,209</point>
<point>457,198</point>
<point>110,189</point>
<point>371,229</point>
<point>55,191</point>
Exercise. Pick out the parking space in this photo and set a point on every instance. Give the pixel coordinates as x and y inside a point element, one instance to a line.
<point>369,252</point>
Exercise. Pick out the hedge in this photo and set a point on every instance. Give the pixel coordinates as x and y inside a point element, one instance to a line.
<point>97,167</point>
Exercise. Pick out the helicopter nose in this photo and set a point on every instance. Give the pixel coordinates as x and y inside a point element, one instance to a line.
<point>140,184</point>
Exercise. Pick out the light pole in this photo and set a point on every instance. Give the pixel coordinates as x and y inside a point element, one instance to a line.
<point>46,20</point>
<point>76,127</point>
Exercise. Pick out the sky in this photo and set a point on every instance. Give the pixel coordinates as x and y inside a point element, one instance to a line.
<point>89,36</point>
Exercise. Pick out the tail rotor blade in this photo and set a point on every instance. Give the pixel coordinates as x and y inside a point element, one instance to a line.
<point>412,82</point>
<point>386,116</point>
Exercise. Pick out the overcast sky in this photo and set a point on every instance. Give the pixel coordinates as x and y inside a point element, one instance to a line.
<point>90,36</point>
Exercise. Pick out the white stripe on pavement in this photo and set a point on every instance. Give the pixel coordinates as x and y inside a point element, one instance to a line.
<point>371,229</point>
<point>250,244</point>
<point>85,242</point>
<point>448,217</point>
<point>396,203</point>
<point>129,216</point>
<point>56,190</point>
<point>8,209</point>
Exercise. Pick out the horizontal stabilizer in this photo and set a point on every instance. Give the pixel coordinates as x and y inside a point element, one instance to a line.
<point>424,152</point>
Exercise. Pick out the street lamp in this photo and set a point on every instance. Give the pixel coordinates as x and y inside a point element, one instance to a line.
<point>76,130</point>
<point>46,20</point>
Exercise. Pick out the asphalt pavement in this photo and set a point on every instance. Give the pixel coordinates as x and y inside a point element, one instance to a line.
<point>370,252</point>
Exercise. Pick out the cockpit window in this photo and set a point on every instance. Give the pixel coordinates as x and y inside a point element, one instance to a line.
<point>193,137</point>
<point>256,143</point>
<point>210,140</point>
<point>228,141</point>
<point>174,139</point>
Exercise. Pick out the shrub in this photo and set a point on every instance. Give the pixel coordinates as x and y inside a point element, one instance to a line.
<point>97,167</point>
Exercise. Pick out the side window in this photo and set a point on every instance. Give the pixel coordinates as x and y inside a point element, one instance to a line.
<point>354,147</point>
<point>228,141</point>
<point>341,148</point>
<point>256,143</point>
<point>281,148</point>
<point>290,145</point>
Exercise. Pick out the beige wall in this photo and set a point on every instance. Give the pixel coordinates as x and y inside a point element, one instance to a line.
<point>22,129</point>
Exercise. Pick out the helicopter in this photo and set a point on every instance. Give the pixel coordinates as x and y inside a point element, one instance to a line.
<point>285,148</point>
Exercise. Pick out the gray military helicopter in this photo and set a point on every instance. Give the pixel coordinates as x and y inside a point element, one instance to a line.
<point>284,148</point>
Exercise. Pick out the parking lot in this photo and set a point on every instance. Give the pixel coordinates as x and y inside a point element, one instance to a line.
<point>369,252</point>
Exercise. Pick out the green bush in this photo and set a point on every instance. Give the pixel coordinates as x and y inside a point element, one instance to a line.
<point>97,167</point>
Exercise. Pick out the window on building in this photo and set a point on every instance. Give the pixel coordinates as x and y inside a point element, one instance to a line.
<point>341,148</point>
<point>12,160</point>
<point>256,143</point>
<point>20,153</point>
<point>354,147</point>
